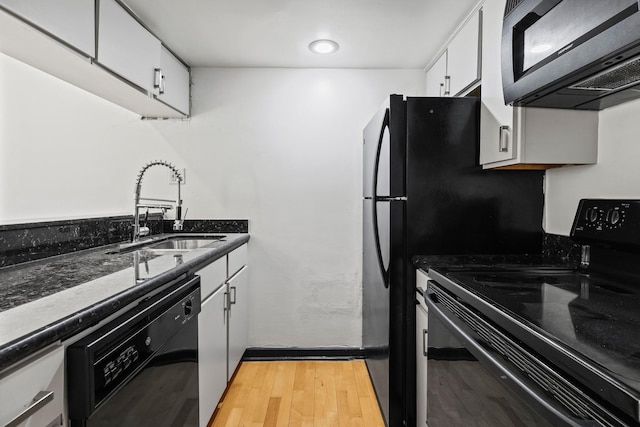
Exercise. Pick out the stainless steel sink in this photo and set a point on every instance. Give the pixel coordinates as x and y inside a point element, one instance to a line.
<point>180,244</point>
<point>174,244</point>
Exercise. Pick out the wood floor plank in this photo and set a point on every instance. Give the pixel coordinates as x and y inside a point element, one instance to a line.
<point>300,394</point>
<point>283,388</point>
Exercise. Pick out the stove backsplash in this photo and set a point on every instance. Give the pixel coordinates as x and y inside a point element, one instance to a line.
<point>32,241</point>
<point>560,250</point>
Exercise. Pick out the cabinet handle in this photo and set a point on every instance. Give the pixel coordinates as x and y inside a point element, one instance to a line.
<point>447,85</point>
<point>159,81</point>
<point>441,87</point>
<point>503,141</point>
<point>424,342</point>
<point>41,399</point>
<point>232,300</point>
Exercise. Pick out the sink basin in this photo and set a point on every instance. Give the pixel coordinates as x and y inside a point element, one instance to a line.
<point>175,244</point>
<point>180,244</point>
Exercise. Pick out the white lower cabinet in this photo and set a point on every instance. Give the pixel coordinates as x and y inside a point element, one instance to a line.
<point>212,353</point>
<point>223,326</point>
<point>212,338</point>
<point>238,318</point>
<point>32,394</point>
<point>238,283</point>
<point>422,328</point>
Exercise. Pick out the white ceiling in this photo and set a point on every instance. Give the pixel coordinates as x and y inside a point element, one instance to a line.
<point>276,33</point>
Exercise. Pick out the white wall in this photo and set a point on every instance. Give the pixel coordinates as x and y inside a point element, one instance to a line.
<point>65,153</point>
<point>283,147</point>
<point>616,175</point>
<point>280,147</point>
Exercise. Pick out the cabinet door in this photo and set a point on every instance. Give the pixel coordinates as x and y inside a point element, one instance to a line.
<point>126,47</point>
<point>463,57</point>
<point>497,135</point>
<point>238,317</point>
<point>175,87</point>
<point>72,21</point>
<point>421,364</point>
<point>436,76</point>
<point>212,353</point>
<point>40,380</point>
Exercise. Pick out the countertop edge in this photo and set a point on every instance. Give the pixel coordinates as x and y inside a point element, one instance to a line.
<point>64,328</point>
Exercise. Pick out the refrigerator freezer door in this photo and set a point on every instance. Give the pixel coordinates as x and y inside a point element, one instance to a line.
<point>376,132</point>
<point>382,171</point>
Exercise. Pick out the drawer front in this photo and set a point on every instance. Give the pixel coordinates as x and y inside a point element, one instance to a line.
<point>20,387</point>
<point>213,276</point>
<point>238,259</point>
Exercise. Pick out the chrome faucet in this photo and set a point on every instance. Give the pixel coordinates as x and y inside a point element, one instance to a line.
<point>165,205</point>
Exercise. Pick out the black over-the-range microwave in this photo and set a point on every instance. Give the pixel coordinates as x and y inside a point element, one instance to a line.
<point>574,54</point>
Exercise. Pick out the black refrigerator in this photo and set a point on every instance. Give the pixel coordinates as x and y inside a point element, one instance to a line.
<point>425,194</point>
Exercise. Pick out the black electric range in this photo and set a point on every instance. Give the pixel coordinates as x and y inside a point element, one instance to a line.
<point>584,321</point>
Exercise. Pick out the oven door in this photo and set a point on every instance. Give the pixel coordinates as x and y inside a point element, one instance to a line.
<point>471,384</point>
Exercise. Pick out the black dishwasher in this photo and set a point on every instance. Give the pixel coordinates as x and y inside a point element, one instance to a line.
<point>142,368</point>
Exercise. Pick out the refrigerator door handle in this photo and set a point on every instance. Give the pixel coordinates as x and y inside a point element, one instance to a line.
<point>376,232</point>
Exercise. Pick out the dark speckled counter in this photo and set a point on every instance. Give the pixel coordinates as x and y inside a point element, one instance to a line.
<point>53,299</point>
<point>557,251</point>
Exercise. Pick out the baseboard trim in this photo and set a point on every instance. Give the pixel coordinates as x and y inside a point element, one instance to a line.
<point>287,353</point>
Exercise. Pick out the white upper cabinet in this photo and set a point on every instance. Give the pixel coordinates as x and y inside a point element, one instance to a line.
<point>59,38</point>
<point>527,138</point>
<point>463,56</point>
<point>70,21</point>
<point>174,89</point>
<point>126,47</point>
<point>436,76</point>
<point>457,70</point>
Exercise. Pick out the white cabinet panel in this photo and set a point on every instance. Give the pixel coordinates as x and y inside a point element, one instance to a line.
<point>212,277</point>
<point>422,329</point>
<point>457,70</point>
<point>496,124</point>
<point>463,57</point>
<point>238,317</point>
<point>126,47</point>
<point>176,82</point>
<point>436,76</point>
<point>212,353</point>
<point>72,21</point>
<point>238,259</point>
<point>421,364</point>
<point>40,377</point>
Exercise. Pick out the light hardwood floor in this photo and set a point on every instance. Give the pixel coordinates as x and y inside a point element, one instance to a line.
<point>300,394</point>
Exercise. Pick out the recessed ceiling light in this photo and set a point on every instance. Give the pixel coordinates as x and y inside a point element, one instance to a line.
<point>323,46</point>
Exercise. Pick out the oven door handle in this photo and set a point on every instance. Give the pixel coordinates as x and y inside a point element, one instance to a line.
<point>507,375</point>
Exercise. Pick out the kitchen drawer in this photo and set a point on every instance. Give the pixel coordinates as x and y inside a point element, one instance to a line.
<point>238,259</point>
<point>20,385</point>
<point>213,276</point>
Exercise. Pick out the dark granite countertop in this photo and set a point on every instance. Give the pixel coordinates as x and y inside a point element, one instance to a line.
<point>426,262</point>
<point>49,300</point>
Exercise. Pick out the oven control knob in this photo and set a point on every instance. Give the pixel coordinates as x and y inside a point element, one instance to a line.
<point>613,216</point>
<point>591,215</point>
